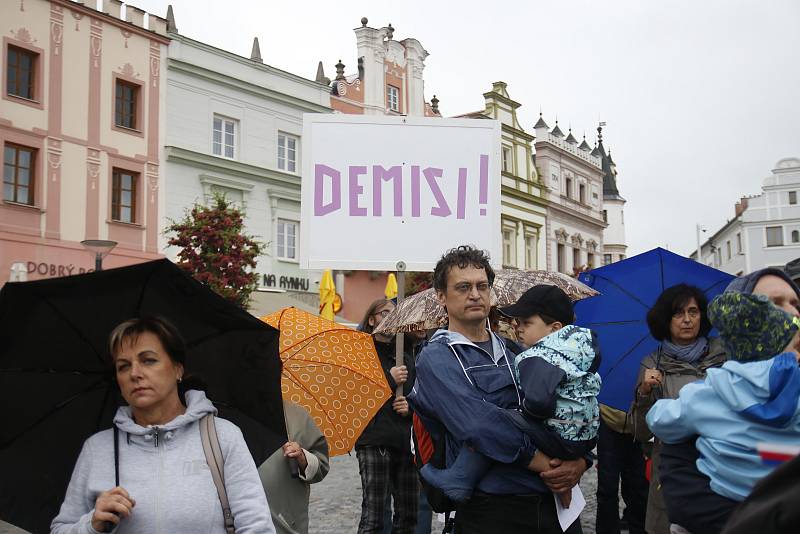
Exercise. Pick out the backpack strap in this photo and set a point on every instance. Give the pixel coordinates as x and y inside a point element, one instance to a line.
<point>216,464</point>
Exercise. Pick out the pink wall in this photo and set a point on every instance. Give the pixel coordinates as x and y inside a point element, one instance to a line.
<point>360,290</point>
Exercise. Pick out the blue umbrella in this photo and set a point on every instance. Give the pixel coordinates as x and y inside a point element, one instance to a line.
<point>628,289</point>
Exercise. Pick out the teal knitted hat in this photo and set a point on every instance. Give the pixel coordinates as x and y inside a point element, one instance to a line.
<point>751,326</point>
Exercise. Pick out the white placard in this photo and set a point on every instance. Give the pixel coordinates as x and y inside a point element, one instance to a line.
<point>378,190</point>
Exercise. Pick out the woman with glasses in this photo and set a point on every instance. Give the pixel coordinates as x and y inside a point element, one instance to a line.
<point>384,454</point>
<point>680,322</point>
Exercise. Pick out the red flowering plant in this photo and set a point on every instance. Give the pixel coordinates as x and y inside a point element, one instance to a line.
<point>215,250</point>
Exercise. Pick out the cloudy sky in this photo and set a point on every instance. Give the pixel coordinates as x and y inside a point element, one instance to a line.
<point>701,99</point>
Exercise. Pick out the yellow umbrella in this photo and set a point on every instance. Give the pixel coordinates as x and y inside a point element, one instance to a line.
<point>327,295</point>
<point>333,372</point>
<point>391,287</point>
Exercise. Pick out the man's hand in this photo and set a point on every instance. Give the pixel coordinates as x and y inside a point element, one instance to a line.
<point>292,449</point>
<point>400,405</point>
<point>564,474</point>
<point>399,374</point>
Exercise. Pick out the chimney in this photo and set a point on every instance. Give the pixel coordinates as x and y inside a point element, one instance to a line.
<point>157,24</point>
<point>740,206</point>
<point>134,15</point>
<point>255,54</point>
<point>321,78</point>
<point>112,7</point>
<point>171,27</point>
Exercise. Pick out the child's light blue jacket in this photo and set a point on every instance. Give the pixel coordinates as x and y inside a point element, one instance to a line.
<point>737,406</point>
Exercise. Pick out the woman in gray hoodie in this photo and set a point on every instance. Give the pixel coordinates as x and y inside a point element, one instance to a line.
<point>165,484</point>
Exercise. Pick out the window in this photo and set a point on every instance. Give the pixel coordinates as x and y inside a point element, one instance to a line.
<point>728,249</point>
<point>774,236</point>
<point>568,187</point>
<point>287,152</point>
<point>560,259</point>
<point>738,243</point>
<point>123,196</point>
<point>792,197</point>
<point>393,98</point>
<point>795,236</point>
<point>224,139</point>
<point>287,239</point>
<point>18,174</point>
<point>576,258</point>
<point>125,104</point>
<point>530,252</point>
<point>582,193</point>
<point>590,260</point>
<point>621,257</point>
<point>509,247</point>
<point>233,196</point>
<point>607,259</point>
<point>605,216</point>
<point>20,72</point>
<point>507,163</point>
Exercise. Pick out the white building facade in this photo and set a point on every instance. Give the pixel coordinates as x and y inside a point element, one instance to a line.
<point>523,209</point>
<point>765,231</point>
<point>574,180</point>
<point>234,126</point>
<point>614,245</point>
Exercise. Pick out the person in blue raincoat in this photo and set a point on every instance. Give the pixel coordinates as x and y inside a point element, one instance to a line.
<point>751,399</point>
<point>689,499</point>
<point>464,376</point>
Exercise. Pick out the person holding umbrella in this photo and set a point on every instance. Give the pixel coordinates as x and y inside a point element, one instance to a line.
<point>678,320</point>
<point>149,473</point>
<point>383,450</point>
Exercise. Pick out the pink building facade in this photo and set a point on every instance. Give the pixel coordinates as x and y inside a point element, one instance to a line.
<point>388,81</point>
<point>80,126</point>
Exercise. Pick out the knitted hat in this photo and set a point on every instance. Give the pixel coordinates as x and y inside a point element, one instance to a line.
<point>751,327</point>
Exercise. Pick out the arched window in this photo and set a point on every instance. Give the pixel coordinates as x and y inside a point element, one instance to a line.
<point>795,236</point>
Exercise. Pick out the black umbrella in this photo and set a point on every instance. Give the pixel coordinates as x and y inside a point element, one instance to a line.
<point>56,385</point>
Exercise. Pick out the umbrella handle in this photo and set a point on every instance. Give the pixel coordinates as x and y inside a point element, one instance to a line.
<point>294,468</point>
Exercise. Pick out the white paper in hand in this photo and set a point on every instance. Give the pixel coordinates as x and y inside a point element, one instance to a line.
<point>567,516</point>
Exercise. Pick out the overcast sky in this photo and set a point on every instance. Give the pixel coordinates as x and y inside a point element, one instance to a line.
<point>701,98</point>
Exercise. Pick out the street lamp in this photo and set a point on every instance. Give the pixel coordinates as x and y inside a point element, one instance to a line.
<point>699,228</point>
<point>100,248</point>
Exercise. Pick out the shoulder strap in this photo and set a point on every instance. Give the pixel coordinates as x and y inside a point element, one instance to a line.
<point>216,464</point>
<point>116,456</point>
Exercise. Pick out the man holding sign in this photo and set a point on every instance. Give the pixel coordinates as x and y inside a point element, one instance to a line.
<point>464,384</point>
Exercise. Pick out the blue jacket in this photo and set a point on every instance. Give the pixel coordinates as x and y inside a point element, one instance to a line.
<point>461,391</point>
<point>738,406</point>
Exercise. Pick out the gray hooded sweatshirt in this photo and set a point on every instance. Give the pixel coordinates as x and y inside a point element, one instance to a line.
<point>164,470</point>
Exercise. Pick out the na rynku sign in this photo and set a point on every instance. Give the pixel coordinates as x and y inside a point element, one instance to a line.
<point>378,190</point>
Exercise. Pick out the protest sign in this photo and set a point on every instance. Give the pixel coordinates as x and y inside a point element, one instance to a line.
<point>377,190</point>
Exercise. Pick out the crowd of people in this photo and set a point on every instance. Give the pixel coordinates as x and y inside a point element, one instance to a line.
<point>515,423</point>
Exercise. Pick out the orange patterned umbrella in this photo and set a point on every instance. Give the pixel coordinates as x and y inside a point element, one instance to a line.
<point>333,372</point>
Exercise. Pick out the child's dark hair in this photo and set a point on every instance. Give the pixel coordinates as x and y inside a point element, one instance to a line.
<point>461,257</point>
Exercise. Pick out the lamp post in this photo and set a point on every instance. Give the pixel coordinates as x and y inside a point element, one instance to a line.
<point>100,248</point>
<point>699,228</point>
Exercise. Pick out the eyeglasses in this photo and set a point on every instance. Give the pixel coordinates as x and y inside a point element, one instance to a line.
<point>465,288</point>
<point>693,313</point>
